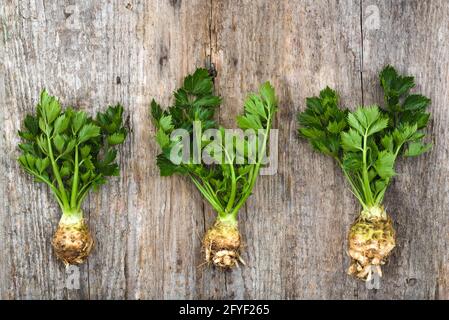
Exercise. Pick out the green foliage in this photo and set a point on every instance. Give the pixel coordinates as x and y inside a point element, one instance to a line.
<point>406,111</point>
<point>224,182</point>
<point>69,151</point>
<point>367,142</point>
<point>323,121</point>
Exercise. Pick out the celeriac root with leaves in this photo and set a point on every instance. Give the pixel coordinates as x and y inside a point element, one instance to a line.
<point>224,182</point>
<point>71,153</point>
<point>365,144</point>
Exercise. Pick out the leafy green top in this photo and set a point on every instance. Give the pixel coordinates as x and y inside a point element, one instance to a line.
<point>366,142</point>
<point>69,151</point>
<point>225,182</point>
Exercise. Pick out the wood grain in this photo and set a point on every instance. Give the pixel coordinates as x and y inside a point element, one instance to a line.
<point>418,198</point>
<point>292,249</point>
<point>147,228</point>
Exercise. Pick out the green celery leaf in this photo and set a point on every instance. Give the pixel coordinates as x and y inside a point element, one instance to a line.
<point>42,164</point>
<point>372,173</point>
<point>329,97</point>
<point>249,121</point>
<point>61,124</point>
<point>22,160</point>
<point>32,125</point>
<point>267,93</point>
<point>417,136</point>
<point>110,156</point>
<point>378,126</point>
<point>380,185</point>
<point>27,148</point>
<point>70,146</point>
<point>352,161</point>
<point>387,77</point>
<point>110,170</point>
<point>165,123</point>
<point>336,127</point>
<point>354,123</point>
<point>87,162</point>
<point>26,135</point>
<point>314,104</point>
<point>85,151</point>
<point>422,119</point>
<point>388,143</point>
<point>181,98</point>
<point>28,161</point>
<point>367,116</point>
<point>117,138</point>
<point>50,107</point>
<point>111,120</point>
<point>384,164</point>
<point>42,125</point>
<point>207,101</point>
<point>394,84</point>
<point>199,83</point>
<point>312,133</point>
<point>42,143</point>
<point>168,168</point>
<point>417,148</point>
<point>351,140</point>
<point>162,138</point>
<point>59,142</point>
<point>156,111</point>
<point>31,160</point>
<point>254,105</point>
<point>88,131</point>
<point>404,133</point>
<point>416,102</point>
<point>78,120</point>
<point>85,176</point>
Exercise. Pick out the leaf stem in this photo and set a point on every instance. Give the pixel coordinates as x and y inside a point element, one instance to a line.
<point>55,169</point>
<point>366,185</point>
<point>75,180</point>
<point>209,197</point>
<point>233,183</point>
<point>52,187</point>
<point>381,194</point>
<point>355,191</point>
<point>255,173</point>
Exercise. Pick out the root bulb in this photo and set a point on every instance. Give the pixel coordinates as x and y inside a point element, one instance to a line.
<point>221,245</point>
<point>72,242</point>
<point>371,240</point>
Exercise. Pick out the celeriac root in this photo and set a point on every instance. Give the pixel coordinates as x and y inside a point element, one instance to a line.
<point>221,245</point>
<point>371,240</point>
<point>72,242</point>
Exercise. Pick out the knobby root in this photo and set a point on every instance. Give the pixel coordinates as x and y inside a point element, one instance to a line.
<point>221,245</point>
<point>371,241</point>
<point>73,242</point>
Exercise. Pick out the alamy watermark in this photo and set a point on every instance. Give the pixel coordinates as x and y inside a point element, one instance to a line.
<point>373,279</point>
<point>372,17</point>
<point>70,278</point>
<point>371,24</point>
<point>225,146</point>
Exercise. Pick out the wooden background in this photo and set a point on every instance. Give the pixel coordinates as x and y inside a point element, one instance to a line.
<point>148,228</point>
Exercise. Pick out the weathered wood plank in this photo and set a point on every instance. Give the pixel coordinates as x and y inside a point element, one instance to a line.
<point>165,213</point>
<point>93,55</point>
<point>148,229</point>
<point>295,223</point>
<point>413,36</point>
<point>35,58</point>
